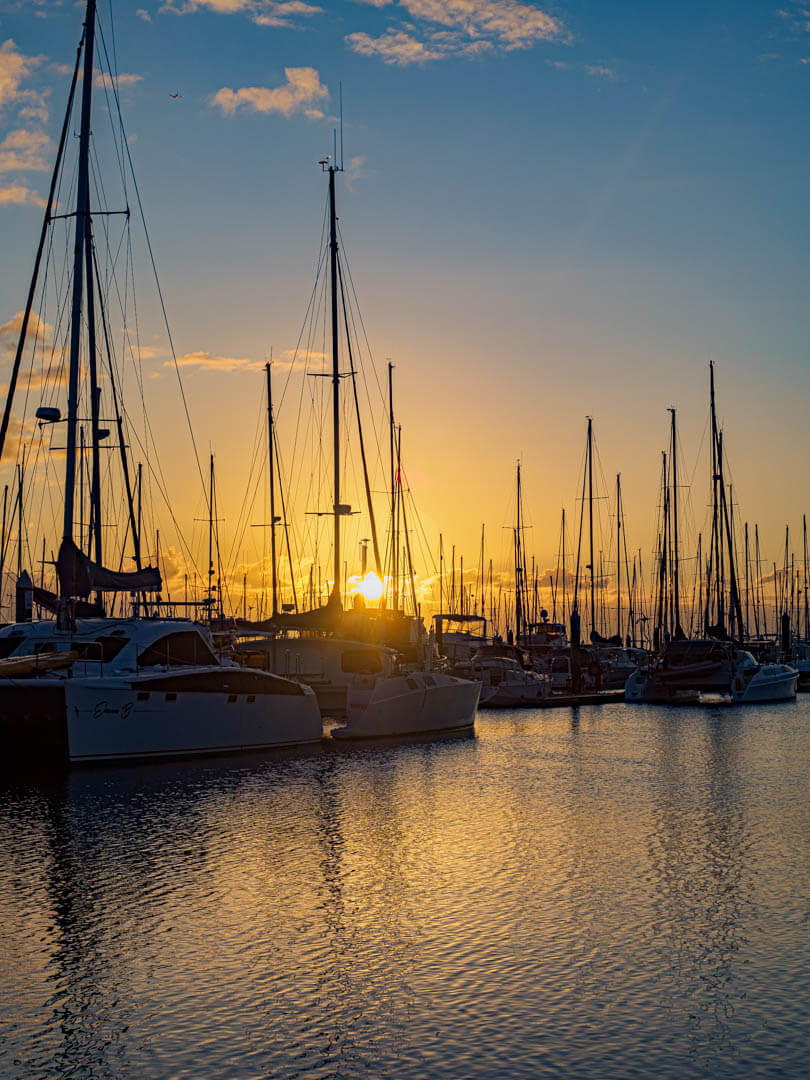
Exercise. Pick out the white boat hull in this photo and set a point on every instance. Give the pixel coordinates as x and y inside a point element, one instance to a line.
<point>772,682</point>
<point>411,704</point>
<point>88,719</point>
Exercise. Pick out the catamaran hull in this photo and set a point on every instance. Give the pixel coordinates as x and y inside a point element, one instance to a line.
<point>83,720</point>
<point>404,710</point>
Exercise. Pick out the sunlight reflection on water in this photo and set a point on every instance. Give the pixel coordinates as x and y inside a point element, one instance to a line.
<point>581,893</point>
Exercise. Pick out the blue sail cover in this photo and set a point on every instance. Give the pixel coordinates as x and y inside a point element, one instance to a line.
<point>79,575</point>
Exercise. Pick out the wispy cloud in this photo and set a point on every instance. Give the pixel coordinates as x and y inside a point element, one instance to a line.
<point>355,170</point>
<point>101,79</point>
<point>394,47</point>
<point>279,13</point>
<point>15,68</point>
<point>24,151</point>
<point>142,13</point>
<point>302,92</point>
<point>205,361</point>
<point>600,71</point>
<point>19,195</point>
<point>468,28</point>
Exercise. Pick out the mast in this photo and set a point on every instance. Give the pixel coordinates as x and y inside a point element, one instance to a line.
<point>82,215</point>
<point>619,554</point>
<point>394,537</point>
<point>715,543</point>
<point>333,253</point>
<point>590,523</point>
<point>806,608</point>
<point>518,566</point>
<point>211,538</point>
<point>563,566</point>
<point>677,630</point>
<point>272,468</point>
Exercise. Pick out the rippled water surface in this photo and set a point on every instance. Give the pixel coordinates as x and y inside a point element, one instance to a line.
<point>601,893</point>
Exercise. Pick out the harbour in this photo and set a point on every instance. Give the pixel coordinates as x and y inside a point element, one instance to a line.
<point>403,657</point>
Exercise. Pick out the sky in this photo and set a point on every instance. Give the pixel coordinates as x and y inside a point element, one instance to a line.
<point>550,211</point>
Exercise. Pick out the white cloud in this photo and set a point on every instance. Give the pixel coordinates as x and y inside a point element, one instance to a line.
<point>19,195</point>
<point>101,79</point>
<point>470,27</point>
<point>10,332</point>
<point>142,13</point>
<point>600,71</point>
<point>281,13</point>
<point>14,69</point>
<point>302,92</point>
<point>24,151</point>
<point>205,361</point>
<point>512,23</point>
<point>393,47</point>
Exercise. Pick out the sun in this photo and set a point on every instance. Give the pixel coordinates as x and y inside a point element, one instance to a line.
<point>369,587</point>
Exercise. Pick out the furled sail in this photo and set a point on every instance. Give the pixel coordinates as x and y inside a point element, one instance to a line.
<point>79,575</point>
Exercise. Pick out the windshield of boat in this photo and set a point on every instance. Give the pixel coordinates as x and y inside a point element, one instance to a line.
<point>185,648</point>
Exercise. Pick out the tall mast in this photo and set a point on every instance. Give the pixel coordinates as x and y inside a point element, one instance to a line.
<point>590,522</point>
<point>518,566</point>
<point>619,554</point>
<point>211,539</point>
<point>806,609</point>
<point>272,467</point>
<point>82,215</point>
<point>747,583</point>
<point>716,524</point>
<point>563,566</point>
<point>394,536</point>
<point>676,592</point>
<point>333,254</point>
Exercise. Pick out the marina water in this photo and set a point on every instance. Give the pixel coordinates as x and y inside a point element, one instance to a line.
<point>609,892</point>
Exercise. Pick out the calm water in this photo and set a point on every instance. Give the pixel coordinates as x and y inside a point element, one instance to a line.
<point>577,893</point>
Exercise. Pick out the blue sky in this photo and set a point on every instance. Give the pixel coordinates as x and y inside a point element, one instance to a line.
<point>549,211</point>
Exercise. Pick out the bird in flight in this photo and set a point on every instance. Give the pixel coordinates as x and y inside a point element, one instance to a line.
<point>176,94</point>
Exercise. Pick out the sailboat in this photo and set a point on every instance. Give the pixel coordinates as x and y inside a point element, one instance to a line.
<point>374,671</point>
<point>687,670</point>
<point>82,687</point>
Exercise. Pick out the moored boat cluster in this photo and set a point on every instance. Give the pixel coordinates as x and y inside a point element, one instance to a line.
<point>79,685</point>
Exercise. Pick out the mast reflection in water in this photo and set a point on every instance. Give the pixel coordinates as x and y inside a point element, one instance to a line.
<point>591,894</point>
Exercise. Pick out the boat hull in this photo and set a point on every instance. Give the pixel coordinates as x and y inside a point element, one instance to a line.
<point>80,720</point>
<point>773,682</point>
<point>410,705</point>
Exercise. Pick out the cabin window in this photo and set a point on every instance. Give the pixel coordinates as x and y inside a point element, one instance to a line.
<point>44,647</point>
<point>171,697</point>
<point>412,684</point>
<point>361,662</point>
<point>231,699</point>
<point>251,698</point>
<point>104,649</point>
<point>183,648</point>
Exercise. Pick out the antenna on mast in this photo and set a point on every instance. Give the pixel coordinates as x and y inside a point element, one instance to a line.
<point>340,96</point>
